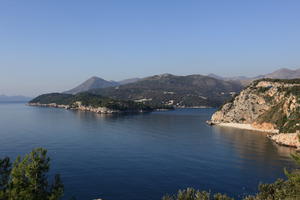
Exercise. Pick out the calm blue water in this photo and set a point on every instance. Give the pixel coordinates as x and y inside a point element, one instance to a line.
<point>142,157</point>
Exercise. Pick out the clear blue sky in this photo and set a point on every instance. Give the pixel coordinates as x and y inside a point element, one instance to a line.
<point>53,45</point>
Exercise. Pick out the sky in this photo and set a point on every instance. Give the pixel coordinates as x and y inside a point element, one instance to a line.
<point>53,45</point>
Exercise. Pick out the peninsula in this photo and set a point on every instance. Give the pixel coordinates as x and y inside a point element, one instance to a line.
<point>93,103</point>
<point>269,105</point>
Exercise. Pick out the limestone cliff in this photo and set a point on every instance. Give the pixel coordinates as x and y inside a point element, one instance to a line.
<point>265,104</point>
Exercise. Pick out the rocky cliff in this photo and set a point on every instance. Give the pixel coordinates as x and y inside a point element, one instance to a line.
<point>266,104</point>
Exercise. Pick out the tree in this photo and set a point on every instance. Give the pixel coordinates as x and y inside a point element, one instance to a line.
<point>5,169</point>
<point>192,194</point>
<point>27,179</point>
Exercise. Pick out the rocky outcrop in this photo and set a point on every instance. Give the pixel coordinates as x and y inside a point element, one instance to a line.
<point>270,105</point>
<point>289,139</point>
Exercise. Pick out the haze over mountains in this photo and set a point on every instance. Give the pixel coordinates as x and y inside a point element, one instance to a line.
<point>96,82</point>
<point>180,91</point>
<point>283,73</point>
<point>4,98</point>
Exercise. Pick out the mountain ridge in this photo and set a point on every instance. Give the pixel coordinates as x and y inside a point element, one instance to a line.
<point>282,73</point>
<point>180,91</point>
<point>96,82</point>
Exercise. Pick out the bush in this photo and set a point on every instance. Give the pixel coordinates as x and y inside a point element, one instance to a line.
<point>192,194</point>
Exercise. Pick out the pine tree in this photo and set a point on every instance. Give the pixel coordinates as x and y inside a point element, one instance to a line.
<point>5,169</point>
<point>27,180</point>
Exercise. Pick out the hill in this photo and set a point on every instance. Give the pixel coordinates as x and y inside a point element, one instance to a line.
<point>283,73</point>
<point>89,102</point>
<point>91,83</point>
<point>96,82</point>
<point>130,80</point>
<point>179,91</point>
<point>271,105</point>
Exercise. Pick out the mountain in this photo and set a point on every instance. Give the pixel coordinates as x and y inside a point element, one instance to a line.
<point>228,78</point>
<point>92,83</point>
<point>180,91</point>
<point>126,81</point>
<point>96,82</point>
<point>270,105</point>
<point>283,73</point>
<point>4,98</point>
<point>265,103</point>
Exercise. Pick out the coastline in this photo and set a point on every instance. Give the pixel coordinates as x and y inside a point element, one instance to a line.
<point>243,126</point>
<point>283,139</point>
<point>286,139</point>
<point>99,110</point>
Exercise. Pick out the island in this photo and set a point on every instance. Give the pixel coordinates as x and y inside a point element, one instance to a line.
<point>93,103</point>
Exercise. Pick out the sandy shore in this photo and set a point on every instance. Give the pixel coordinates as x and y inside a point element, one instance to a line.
<point>246,127</point>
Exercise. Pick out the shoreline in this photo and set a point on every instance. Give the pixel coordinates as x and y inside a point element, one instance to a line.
<point>286,139</point>
<point>282,139</point>
<point>243,126</point>
<point>98,110</point>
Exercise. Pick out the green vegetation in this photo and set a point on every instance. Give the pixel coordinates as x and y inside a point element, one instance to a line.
<point>263,89</point>
<point>295,90</point>
<point>27,178</point>
<point>292,123</point>
<point>58,98</point>
<point>94,100</point>
<point>188,91</point>
<point>286,123</point>
<point>274,115</point>
<point>192,194</point>
<point>279,190</point>
<point>287,81</point>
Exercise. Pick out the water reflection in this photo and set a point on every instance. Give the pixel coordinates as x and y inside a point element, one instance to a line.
<point>145,155</point>
<point>254,146</point>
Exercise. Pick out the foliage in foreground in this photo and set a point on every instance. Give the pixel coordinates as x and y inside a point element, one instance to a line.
<point>192,194</point>
<point>279,190</point>
<point>27,178</point>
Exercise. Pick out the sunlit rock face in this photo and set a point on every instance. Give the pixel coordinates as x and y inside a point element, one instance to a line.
<point>265,104</point>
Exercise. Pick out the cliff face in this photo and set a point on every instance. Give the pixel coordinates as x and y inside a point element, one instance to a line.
<point>265,104</point>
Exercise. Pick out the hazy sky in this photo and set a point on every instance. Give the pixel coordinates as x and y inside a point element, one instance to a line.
<point>53,45</point>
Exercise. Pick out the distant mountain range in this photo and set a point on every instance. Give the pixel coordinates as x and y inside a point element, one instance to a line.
<point>180,91</point>
<point>4,98</point>
<point>97,83</point>
<point>283,73</point>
